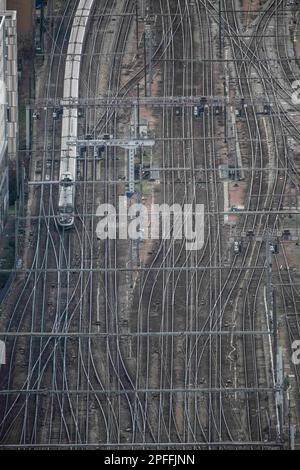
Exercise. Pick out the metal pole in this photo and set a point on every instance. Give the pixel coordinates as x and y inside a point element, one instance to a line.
<point>275,327</point>
<point>225,112</point>
<point>28,133</point>
<point>138,111</point>
<point>148,57</point>
<point>289,150</point>
<point>150,62</point>
<point>137,28</point>
<point>220,28</point>
<point>22,197</point>
<point>145,65</point>
<point>142,8</point>
<point>17,173</point>
<point>42,26</point>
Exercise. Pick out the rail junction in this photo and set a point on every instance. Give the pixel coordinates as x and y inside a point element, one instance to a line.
<point>141,344</point>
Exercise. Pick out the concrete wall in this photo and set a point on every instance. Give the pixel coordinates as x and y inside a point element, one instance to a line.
<point>2,5</point>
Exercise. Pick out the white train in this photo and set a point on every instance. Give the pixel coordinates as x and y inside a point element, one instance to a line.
<point>67,174</point>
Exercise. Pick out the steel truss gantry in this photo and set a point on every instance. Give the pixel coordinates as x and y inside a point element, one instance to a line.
<point>102,101</point>
<point>128,144</point>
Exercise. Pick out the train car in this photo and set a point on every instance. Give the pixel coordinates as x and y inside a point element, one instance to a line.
<point>66,201</point>
<point>68,158</point>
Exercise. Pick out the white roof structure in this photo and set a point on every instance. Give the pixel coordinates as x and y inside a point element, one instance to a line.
<point>3,135</point>
<point>2,353</point>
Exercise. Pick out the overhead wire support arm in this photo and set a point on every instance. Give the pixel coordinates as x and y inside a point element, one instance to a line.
<point>157,101</point>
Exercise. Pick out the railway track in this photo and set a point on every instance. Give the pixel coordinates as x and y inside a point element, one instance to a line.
<point>150,392</point>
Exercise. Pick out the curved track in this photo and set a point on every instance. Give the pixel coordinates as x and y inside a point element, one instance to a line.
<point>162,390</point>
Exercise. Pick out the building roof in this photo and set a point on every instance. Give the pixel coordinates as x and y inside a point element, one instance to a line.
<point>2,21</point>
<point>2,353</point>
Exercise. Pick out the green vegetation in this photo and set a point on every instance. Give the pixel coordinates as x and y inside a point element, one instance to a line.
<point>144,188</point>
<point>146,160</point>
